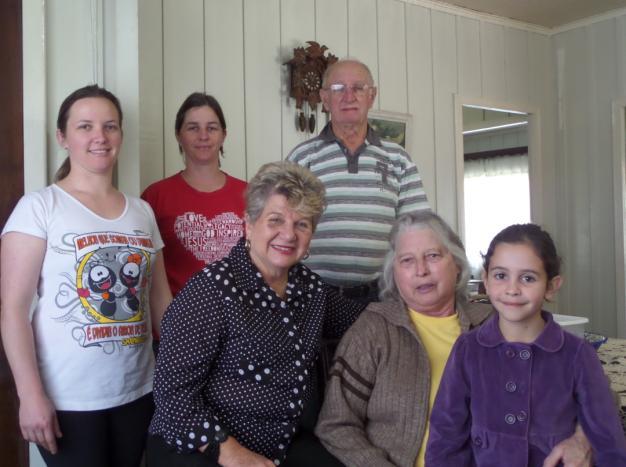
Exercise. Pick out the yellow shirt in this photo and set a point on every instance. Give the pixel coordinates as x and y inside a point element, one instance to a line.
<point>438,334</point>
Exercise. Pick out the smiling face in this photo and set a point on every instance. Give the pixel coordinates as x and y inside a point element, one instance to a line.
<point>279,238</point>
<point>348,107</point>
<point>517,283</point>
<point>425,273</point>
<point>92,136</point>
<point>201,136</point>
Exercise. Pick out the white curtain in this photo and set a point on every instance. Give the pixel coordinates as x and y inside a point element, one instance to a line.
<point>496,195</point>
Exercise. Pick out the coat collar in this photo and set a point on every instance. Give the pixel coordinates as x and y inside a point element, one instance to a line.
<point>551,338</point>
<point>470,315</point>
<point>248,277</point>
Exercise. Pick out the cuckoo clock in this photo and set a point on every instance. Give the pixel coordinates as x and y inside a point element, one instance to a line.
<point>307,68</point>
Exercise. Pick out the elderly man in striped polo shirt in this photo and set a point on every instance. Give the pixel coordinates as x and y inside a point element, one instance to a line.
<point>369,182</point>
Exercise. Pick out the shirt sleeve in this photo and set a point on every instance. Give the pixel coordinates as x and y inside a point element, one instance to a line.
<point>29,216</point>
<point>450,420</point>
<point>192,329</point>
<point>412,195</point>
<point>341,312</point>
<point>341,426</point>
<point>598,414</point>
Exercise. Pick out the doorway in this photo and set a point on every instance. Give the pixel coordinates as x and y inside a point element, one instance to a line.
<point>497,144</point>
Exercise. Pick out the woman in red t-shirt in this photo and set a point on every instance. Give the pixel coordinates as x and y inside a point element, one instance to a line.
<point>199,210</point>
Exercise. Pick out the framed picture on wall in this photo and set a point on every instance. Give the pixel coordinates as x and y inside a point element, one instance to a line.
<point>391,126</point>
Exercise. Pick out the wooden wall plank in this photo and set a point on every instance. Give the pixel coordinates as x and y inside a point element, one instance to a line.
<point>392,72</point>
<point>151,118</point>
<point>183,67</point>
<point>469,65</point>
<point>574,132</point>
<point>297,26</point>
<point>445,86</point>
<point>262,61</point>
<point>602,86</point>
<point>420,97</point>
<point>516,61</point>
<point>492,61</point>
<point>224,76</point>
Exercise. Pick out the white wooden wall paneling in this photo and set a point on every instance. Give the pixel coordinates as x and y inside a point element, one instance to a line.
<point>151,121</point>
<point>602,86</point>
<point>262,82</point>
<point>224,76</point>
<point>362,35</point>
<point>392,86</point>
<point>445,87</point>
<point>121,75</point>
<point>540,94</point>
<point>331,25</point>
<point>468,56</point>
<point>331,30</point>
<point>297,26</point>
<point>619,187</point>
<point>574,151</point>
<point>516,64</point>
<point>68,48</point>
<point>183,67</point>
<point>420,96</point>
<point>493,61</point>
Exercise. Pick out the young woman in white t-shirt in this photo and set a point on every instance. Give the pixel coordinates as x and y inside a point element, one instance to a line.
<point>91,255</point>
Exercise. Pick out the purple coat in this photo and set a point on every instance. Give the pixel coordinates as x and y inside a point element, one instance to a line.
<point>504,403</point>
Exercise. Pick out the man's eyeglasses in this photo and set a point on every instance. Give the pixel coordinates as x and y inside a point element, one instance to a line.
<point>359,90</point>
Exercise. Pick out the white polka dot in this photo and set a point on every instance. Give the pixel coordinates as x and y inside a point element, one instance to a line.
<point>266,371</point>
<point>250,367</point>
<point>190,446</point>
<point>241,372</point>
<point>204,439</point>
<point>206,425</point>
<point>192,435</point>
<point>298,363</point>
<point>285,320</point>
<point>179,442</point>
<point>218,428</point>
<point>257,377</point>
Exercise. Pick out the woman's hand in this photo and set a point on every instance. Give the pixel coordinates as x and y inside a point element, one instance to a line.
<point>574,451</point>
<point>233,454</point>
<point>38,422</point>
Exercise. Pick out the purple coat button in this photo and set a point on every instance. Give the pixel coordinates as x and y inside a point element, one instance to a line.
<point>478,442</point>
<point>509,418</point>
<point>510,353</point>
<point>510,386</point>
<point>524,354</point>
<point>521,416</point>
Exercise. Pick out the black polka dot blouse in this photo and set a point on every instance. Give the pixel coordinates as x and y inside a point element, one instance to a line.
<point>235,359</point>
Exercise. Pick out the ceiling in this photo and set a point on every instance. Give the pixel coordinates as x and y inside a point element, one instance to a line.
<point>546,13</point>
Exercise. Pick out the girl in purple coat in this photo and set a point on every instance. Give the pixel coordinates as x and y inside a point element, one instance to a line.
<point>515,387</point>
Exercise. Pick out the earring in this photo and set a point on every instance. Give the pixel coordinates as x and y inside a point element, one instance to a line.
<point>247,244</point>
<point>306,255</point>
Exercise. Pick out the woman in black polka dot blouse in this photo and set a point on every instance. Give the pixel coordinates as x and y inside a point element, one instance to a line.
<point>240,340</point>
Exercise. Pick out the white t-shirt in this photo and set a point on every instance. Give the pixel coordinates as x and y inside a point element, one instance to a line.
<point>92,320</point>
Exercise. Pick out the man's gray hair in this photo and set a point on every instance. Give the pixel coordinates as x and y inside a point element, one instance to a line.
<point>448,238</point>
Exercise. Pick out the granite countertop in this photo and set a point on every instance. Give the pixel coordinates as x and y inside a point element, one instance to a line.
<point>613,357</point>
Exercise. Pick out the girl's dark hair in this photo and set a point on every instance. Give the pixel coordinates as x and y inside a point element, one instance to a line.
<point>199,99</point>
<point>92,90</point>
<point>530,234</point>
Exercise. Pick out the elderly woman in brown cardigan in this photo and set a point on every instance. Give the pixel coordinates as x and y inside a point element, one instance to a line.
<point>387,368</point>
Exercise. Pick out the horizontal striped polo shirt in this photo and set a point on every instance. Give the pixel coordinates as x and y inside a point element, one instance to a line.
<point>365,192</point>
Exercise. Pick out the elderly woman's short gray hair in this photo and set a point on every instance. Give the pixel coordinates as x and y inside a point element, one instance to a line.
<point>303,190</point>
<point>448,238</point>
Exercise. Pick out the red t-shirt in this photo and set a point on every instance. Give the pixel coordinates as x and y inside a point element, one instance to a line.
<point>197,228</point>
